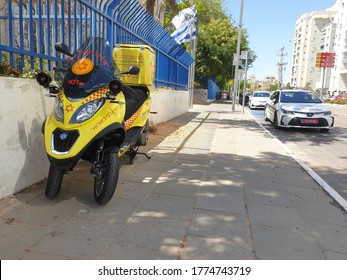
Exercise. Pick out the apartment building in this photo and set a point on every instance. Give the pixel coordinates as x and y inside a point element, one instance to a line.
<point>321,31</point>
<point>327,45</point>
<point>307,43</point>
<point>338,75</point>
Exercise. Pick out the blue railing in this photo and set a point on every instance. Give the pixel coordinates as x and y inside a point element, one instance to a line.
<point>29,29</point>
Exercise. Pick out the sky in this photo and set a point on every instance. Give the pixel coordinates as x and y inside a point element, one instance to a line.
<point>270,26</point>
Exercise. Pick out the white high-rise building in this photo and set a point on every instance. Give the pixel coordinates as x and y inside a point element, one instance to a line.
<point>338,76</point>
<point>307,43</point>
<point>327,45</point>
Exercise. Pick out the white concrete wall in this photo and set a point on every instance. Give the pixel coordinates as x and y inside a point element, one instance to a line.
<point>23,108</point>
<point>168,104</point>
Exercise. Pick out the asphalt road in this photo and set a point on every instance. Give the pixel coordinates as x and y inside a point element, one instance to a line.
<point>324,152</point>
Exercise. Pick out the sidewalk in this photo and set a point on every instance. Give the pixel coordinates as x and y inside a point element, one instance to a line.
<point>219,187</point>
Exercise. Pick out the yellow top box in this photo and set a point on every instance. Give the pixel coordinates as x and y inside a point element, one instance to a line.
<point>142,56</point>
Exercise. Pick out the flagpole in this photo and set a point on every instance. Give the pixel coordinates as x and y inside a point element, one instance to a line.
<point>192,70</point>
<point>185,24</point>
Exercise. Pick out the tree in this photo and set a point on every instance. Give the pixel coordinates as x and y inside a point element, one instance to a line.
<point>273,87</point>
<point>216,44</point>
<point>308,86</point>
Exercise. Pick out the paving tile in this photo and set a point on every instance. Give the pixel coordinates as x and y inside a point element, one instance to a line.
<point>130,252</point>
<point>176,189</point>
<point>275,216</point>
<point>222,186</point>
<point>206,223</point>
<point>118,210</point>
<point>316,195</point>
<point>134,190</point>
<point>330,237</point>
<point>311,211</point>
<point>203,248</point>
<point>268,196</point>
<point>335,255</point>
<point>45,212</point>
<point>220,202</point>
<point>92,228</point>
<point>273,243</point>
<point>166,206</point>
<point>153,233</point>
<point>72,246</point>
<point>17,239</point>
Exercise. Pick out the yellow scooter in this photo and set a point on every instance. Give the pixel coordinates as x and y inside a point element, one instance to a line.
<point>96,116</point>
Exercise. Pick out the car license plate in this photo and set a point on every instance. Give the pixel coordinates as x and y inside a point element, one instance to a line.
<point>309,121</point>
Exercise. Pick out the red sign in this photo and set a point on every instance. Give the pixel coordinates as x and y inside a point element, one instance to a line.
<point>325,59</point>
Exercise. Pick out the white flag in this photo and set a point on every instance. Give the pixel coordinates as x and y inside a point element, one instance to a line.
<point>185,34</point>
<point>185,24</point>
<point>183,16</point>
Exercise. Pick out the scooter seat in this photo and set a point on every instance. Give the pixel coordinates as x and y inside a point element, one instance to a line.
<point>134,98</point>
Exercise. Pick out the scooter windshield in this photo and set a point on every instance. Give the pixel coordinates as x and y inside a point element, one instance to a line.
<point>89,70</point>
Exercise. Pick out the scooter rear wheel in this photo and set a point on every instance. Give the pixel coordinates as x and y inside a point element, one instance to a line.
<point>54,181</point>
<point>105,186</point>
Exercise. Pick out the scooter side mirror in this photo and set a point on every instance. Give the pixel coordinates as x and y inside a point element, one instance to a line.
<point>63,48</point>
<point>43,79</point>
<point>133,70</point>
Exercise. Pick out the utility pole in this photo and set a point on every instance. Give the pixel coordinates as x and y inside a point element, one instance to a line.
<point>237,57</point>
<point>281,67</point>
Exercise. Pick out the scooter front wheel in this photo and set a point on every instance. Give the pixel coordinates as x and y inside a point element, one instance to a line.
<point>105,185</point>
<point>54,181</point>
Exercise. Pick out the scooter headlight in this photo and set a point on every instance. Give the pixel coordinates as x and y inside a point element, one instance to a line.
<point>59,110</point>
<point>86,111</point>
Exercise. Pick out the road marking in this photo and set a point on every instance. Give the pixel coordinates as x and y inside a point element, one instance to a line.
<point>338,198</point>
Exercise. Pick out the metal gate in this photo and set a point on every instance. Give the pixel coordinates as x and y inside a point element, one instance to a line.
<point>30,28</point>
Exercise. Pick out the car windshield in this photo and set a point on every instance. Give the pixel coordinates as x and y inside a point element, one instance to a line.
<point>261,94</point>
<point>299,97</point>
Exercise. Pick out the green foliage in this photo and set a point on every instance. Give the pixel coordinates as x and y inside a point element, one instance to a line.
<point>248,86</point>
<point>5,68</point>
<point>216,44</point>
<point>308,86</point>
<point>29,72</point>
<point>273,87</point>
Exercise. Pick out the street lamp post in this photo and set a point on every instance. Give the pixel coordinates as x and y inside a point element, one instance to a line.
<point>237,58</point>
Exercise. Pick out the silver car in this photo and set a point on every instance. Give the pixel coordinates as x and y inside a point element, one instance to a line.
<point>298,108</point>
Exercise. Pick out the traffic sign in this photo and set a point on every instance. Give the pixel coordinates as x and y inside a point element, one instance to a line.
<point>325,60</point>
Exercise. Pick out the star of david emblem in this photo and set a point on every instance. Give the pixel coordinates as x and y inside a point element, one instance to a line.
<point>69,108</point>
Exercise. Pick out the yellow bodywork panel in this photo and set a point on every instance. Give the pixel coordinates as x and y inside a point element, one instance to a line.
<point>108,114</point>
<point>142,56</point>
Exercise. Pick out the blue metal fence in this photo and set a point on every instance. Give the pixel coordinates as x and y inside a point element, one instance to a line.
<point>30,28</point>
